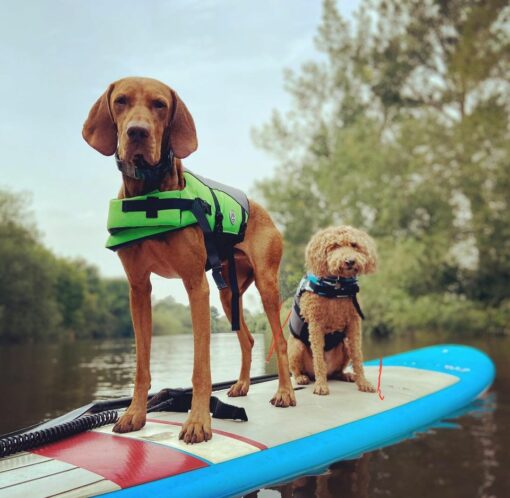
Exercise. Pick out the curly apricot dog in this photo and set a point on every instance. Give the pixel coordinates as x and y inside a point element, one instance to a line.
<point>326,304</point>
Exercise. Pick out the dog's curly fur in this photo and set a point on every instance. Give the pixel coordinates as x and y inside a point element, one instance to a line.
<point>341,251</point>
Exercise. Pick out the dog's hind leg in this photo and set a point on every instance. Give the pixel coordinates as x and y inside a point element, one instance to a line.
<point>241,387</point>
<point>341,358</point>
<point>266,280</point>
<point>296,350</point>
<point>244,280</point>
<point>344,376</point>
<point>263,245</point>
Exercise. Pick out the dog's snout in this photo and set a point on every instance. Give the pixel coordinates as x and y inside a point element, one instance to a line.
<point>350,262</point>
<point>137,132</point>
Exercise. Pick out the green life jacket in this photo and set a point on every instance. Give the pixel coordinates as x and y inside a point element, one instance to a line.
<point>220,211</point>
<point>134,219</point>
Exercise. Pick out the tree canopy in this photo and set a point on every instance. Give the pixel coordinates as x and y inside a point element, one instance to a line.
<point>43,297</point>
<point>401,127</point>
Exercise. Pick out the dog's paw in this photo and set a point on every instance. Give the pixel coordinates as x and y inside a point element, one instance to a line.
<point>240,388</point>
<point>196,429</point>
<point>131,421</point>
<point>302,380</point>
<point>321,388</point>
<point>365,386</point>
<point>345,377</point>
<point>284,397</point>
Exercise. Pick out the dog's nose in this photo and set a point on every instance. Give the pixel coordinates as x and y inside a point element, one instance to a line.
<point>350,262</point>
<point>137,132</point>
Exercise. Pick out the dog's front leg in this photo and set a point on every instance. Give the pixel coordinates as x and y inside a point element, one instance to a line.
<point>354,338</point>
<point>141,314</point>
<point>197,427</point>
<point>319,365</point>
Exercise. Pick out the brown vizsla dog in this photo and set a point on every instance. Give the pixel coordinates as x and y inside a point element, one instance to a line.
<point>141,119</point>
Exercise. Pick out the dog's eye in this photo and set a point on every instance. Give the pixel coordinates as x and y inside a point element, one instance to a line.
<point>121,100</point>
<point>354,245</point>
<point>159,104</point>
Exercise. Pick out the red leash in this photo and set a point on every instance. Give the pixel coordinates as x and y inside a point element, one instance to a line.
<point>280,332</point>
<point>381,397</point>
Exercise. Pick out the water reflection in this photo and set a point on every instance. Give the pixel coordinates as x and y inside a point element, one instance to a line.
<point>346,479</point>
<point>171,363</point>
<point>39,381</point>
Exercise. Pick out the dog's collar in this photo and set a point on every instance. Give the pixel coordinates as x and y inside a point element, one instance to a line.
<point>151,175</point>
<point>332,287</point>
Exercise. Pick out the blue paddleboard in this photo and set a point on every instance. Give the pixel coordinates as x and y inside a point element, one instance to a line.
<point>420,387</point>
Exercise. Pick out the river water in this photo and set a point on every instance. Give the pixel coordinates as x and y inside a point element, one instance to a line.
<point>467,458</point>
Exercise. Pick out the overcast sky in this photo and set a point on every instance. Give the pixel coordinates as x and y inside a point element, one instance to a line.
<point>225,58</point>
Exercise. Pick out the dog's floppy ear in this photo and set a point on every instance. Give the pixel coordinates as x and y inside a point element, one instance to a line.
<point>183,135</point>
<point>316,252</point>
<point>371,264</point>
<point>99,130</point>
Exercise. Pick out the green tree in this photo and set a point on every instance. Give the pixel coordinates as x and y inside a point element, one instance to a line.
<point>116,292</point>
<point>402,128</point>
<point>171,317</point>
<point>28,310</point>
<point>43,297</point>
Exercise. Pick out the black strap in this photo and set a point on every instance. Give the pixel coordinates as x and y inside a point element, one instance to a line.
<point>210,243</point>
<point>218,221</point>
<point>358,307</point>
<point>179,400</point>
<point>224,410</point>
<point>152,205</point>
<point>234,288</point>
<point>232,273</point>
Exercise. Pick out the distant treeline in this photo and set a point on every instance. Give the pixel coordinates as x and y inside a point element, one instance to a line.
<point>171,317</point>
<point>46,298</point>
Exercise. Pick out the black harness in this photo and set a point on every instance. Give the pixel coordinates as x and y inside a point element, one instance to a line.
<point>331,288</point>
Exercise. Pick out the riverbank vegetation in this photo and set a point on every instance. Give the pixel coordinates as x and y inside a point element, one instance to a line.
<point>44,297</point>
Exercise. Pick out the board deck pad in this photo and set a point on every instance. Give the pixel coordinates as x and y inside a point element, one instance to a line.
<point>99,461</point>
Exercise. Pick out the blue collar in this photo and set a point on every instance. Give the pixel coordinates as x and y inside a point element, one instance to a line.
<point>332,287</point>
<point>336,282</point>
